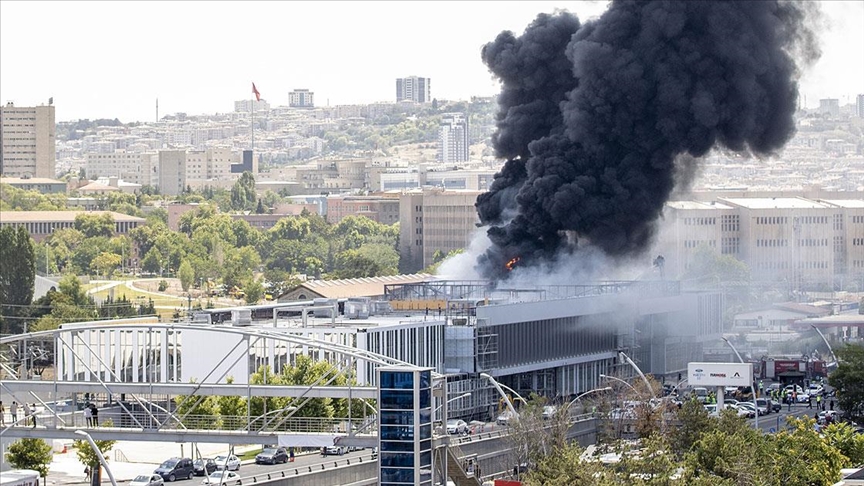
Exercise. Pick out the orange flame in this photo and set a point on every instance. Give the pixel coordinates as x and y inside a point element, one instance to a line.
<point>512,263</point>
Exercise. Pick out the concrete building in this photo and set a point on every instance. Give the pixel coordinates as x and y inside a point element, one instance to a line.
<point>27,141</point>
<point>39,184</point>
<point>172,172</point>
<point>804,242</point>
<point>41,224</point>
<point>829,106</point>
<point>138,168</point>
<point>301,98</point>
<point>453,144</point>
<point>859,105</point>
<point>340,175</point>
<point>433,220</point>
<point>380,208</point>
<point>413,88</point>
<point>245,106</point>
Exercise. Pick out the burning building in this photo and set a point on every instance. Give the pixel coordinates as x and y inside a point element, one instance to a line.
<point>599,121</point>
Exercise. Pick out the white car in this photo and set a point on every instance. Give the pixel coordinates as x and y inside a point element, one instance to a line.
<point>815,389</point>
<point>505,418</point>
<point>456,426</point>
<point>333,451</point>
<point>231,463</point>
<point>147,480</point>
<point>222,477</point>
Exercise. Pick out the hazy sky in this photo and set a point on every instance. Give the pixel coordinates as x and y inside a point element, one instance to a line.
<point>113,59</point>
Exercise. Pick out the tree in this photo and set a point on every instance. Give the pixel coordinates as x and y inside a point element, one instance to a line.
<point>95,225</point>
<point>243,192</point>
<point>253,291</point>
<point>848,379</point>
<point>105,264</point>
<point>88,456</point>
<point>186,275</point>
<point>32,454</point>
<point>17,276</point>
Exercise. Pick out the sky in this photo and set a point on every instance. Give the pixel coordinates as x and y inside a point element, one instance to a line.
<point>114,59</point>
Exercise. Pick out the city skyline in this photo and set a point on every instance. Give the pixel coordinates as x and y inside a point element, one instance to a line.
<point>99,63</point>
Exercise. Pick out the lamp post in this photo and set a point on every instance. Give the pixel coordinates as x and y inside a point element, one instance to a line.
<point>99,455</point>
<point>444,405</point>
<point>605,388</point>
<point>752,388</point>
<point>830,349</point>
<point>507,400</point>
<point>607,377</point>
<point>638,370</point>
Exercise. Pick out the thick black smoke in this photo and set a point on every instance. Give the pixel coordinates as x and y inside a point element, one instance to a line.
<point>592,118</point>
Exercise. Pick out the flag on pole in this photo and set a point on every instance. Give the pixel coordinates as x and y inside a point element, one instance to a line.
<point>257,94</point>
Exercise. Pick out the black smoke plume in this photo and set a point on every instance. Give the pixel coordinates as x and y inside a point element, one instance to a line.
<point>593,117</point>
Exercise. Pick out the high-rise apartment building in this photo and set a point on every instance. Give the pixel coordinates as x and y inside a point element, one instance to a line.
<point>829,106</point>
<point>172,172</point>
<point>194,168</point>
<point>414,89</point>
<point>453,144</point>
<point>27,141</point>
<point>301,98</point>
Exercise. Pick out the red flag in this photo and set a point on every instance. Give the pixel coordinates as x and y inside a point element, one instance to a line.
<point>257,94</point>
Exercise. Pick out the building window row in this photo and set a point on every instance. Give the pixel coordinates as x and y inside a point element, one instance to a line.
<point>857,241</point>
<point>858,219</point>
<point>813,242</point>
<point>857,263</point>
<point>772,243</point>
<point>772,220</point>
<point>772,265</point>
<point>812,265</point>
<point>697,243</point>
<point>838,222</point>
<point>700,221</point>
<point>730,246</point>
<point>811,219</point>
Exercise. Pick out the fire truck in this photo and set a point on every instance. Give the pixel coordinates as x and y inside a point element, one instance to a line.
<point>787,369</point>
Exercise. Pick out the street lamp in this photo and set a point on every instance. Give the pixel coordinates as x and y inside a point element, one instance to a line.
<point>830,349</point>
<point>607,377</point>
<point>447,402</point>
<point>99,455</point>
<point>507,400</point>
<point>605,388</point>
<point>631,363</point>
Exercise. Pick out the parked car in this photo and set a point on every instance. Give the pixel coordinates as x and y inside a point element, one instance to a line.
<point>204,466</point>
<point>147,480</point>
<point>701,394</point>
<point>749,407</point>
<point>815,389</point>
<point>549,411</point>
<point>775,406</point>
<point>176,468</point>
<point>504,418</point>
<point>333,451</point>
<point>764,406</point>
<point>222,478</point>
<point>272,455</point>
<point>231,463</point>
<point>456,426</point>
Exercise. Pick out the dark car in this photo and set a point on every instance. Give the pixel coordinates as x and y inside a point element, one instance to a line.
<point>204,466</point>
<point>176,468</point>
<point>272,455</point>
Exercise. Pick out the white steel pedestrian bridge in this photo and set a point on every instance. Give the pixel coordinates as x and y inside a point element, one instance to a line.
<point>149,382</point>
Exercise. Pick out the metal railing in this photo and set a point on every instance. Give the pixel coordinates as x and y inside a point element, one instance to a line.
<point>312,468</point>
<point>162,421</point>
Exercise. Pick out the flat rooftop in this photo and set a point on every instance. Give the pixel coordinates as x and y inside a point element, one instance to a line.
<point>696,205</point>
<point>776,203</point>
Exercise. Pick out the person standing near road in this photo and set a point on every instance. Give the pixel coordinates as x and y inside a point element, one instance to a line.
<point>27,413</point>
<point>809,401</point>
<point>88,415</point>
<point>13,410</point>
<point>2,414</point>
<point>95,412</point>
<point>819,402</point>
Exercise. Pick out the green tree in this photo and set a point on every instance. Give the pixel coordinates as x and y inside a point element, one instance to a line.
<point>17,276</point>
<point>106,264</point>
<point>253,291</point>
<point>243,194</point>
<point>187,275</point>
<point>848,379</point>
<point>32,454</point>
<point>88,456</point>
<point>850,443</point>
<point>95,225</point>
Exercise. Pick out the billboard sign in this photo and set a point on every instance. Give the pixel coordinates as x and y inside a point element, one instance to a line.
<point>720,374</point>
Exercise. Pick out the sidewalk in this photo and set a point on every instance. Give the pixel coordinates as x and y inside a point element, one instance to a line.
<point>128,459</point>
